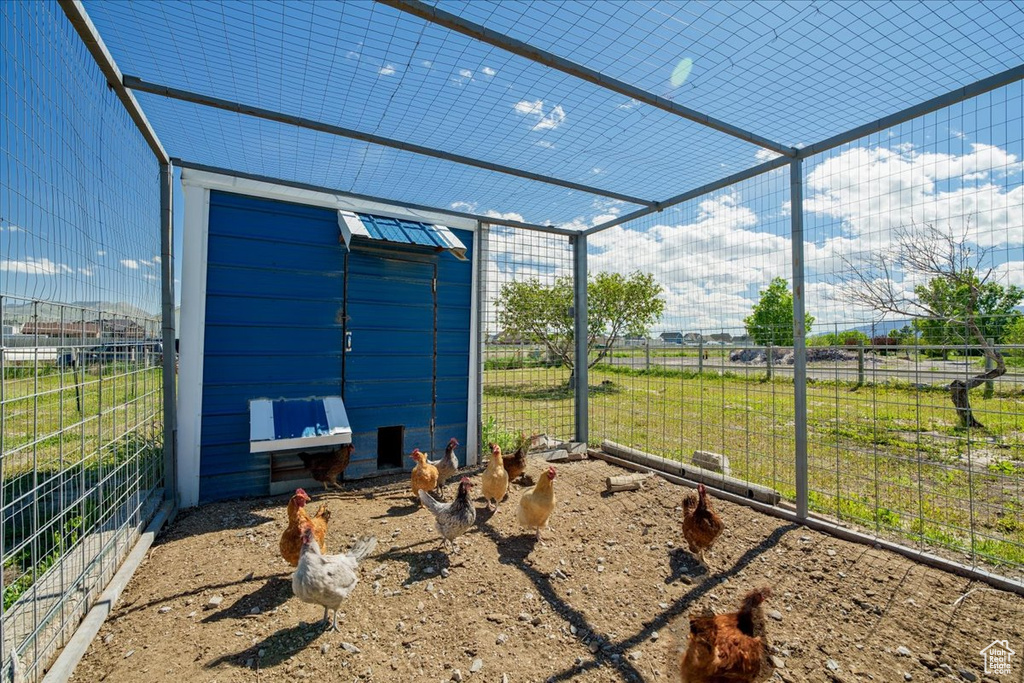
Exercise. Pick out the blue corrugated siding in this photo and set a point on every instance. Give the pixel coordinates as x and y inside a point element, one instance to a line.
<point>275,297</point>
<point>275,290</point>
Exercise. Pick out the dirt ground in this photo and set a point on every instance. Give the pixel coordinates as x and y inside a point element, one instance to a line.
<point>603,600</point>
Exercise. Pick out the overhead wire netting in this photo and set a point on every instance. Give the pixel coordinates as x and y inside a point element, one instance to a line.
<point>81,409</point>
<point>374,69</point>
<point>795,72</point>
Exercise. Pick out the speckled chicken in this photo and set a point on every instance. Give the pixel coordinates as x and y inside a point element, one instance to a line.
<point>455,518</point>
<point>728,648</point>
<point>328,579</point>
<point>446,466</point>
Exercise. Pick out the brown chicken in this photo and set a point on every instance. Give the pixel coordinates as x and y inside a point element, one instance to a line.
<point>728,648</point>
<point>423,476</point>
<point>515,464</point>
<point>325,467</point>
<point>291,537</point>
<point>538,502</point>
<point>701,524</point>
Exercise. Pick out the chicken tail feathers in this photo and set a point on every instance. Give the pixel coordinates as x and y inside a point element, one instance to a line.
<point>363,547</point>
<point>429,501</point>
<point>754,598</point>
<point>324,513</point>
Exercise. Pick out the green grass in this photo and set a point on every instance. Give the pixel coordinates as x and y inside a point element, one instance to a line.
<point>891,457</point>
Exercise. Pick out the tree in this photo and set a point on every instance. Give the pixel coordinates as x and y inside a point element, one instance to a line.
<point>994,309</point>
<point>617,305</point>
<point>771,322</point>
<point>1015,335</point>
<point>956,299</point>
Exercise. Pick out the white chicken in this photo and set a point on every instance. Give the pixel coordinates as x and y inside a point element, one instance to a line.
<point>328,579</point>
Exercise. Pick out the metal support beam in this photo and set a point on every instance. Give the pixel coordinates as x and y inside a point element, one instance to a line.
<point>941,102</point>
<point>170,356</point>
<point>796,189</point>
<point>180,163</point>
<point>136,83</point>
<point>692,194</point>
<point>83,25</point>
<point>579,309</point>
<point>518,47</point>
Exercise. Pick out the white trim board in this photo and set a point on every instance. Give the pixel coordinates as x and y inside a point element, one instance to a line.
<point>192,338</point>
<point>259,188</point>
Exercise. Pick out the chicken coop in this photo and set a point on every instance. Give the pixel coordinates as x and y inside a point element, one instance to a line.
<point>774,248</point>
<point>293,294</point>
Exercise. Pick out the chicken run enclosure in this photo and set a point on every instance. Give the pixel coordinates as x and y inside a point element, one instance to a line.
<point>777,247</point>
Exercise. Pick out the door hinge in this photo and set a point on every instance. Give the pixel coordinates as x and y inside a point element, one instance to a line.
<point>433,285</point>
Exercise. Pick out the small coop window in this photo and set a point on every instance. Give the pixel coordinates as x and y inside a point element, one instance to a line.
<point>390,446</point>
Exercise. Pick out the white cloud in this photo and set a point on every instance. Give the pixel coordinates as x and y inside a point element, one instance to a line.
<point>596,170</point>
<point>10,227</point>
<point>130,264</point>
<point>545,144</point>
<point>387,70</point>
<point>488,71</point>
<point>101,252</point>
<point>872,191</point>
<point>553,119</point>
<point>530,107</point>
<point>427,63</point>
<point>156,259</point>
<point>463,206</point>
<point>33,266</point>
<point>629,104</point>
<point>462,77</point>
<point>86,272</point>
<point>766,155</point>
<point>535,108</point>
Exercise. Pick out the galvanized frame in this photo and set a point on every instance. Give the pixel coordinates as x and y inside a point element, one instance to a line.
<point>301,122</point>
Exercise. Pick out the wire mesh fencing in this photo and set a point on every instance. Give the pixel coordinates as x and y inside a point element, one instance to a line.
<point>525,283</point>
<point>81,409</point>
<point>913,265</point>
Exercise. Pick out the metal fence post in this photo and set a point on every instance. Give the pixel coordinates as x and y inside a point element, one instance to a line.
<point>700,355</point>
<point>860,365</point>
<point>799,342</point>
<point>769,357</point>
<point>579,244</point>
<point>990,385</point>
<point>170,355</point>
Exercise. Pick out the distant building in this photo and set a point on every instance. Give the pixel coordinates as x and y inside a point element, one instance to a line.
<point>73,330</point>
<point>693,338</point>
<point>671,337</point>
<point>723,337</point>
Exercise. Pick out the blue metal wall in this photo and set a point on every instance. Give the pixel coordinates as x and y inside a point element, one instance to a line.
<point>275,305</point>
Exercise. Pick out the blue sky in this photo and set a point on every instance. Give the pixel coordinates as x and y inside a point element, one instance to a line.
<point>796,73</point>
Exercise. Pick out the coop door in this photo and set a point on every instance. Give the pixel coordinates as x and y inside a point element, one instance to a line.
<point>390,357</point>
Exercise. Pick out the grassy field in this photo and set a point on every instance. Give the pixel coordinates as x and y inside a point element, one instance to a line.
<point>885,456</point>
<point>91,437</point>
